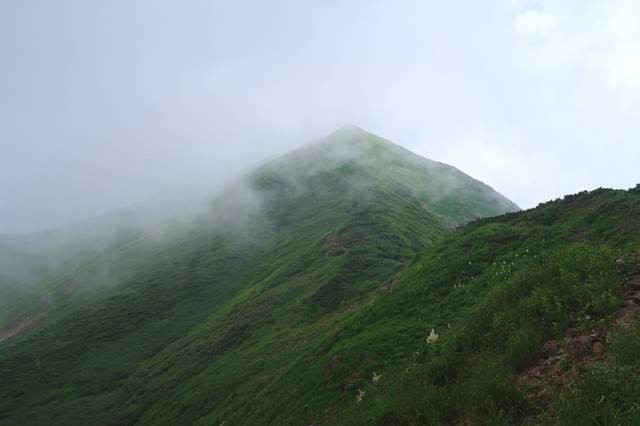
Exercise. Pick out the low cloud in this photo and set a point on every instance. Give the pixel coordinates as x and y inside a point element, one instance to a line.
<point>600,36</point>
<point>496,165</point>
<point>93,119</point>
<point>536,24</point>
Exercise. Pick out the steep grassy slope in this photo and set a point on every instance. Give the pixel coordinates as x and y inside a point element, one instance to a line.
<point>195,323</point>
<point>494,291</point>
<point>509,297</point>
<point>307,294</point>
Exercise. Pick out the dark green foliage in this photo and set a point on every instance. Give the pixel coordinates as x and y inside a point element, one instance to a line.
<point>223,312</point>
<point>279,316</point>
<point>508,284</point>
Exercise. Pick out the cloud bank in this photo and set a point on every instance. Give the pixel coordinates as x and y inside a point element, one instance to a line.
<point>104,104</point>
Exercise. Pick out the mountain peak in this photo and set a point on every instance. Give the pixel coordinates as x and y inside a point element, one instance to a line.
<point>356,140</point>
<point>349,131</point>
<point>349,128</point>
<point>369,160</point>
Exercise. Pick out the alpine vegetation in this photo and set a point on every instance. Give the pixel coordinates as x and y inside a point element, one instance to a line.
<point>348,282</point>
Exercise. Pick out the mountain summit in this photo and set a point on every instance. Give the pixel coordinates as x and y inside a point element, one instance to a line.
<point>445,190</point>
<point>195,322</point>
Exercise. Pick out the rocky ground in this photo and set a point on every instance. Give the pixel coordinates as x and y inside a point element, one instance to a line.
<point>564,360</point>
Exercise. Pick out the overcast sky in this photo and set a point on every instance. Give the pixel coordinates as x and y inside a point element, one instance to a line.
<point>103,103</point>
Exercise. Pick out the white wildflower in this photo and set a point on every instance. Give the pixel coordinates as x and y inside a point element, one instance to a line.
<point>433,336</point>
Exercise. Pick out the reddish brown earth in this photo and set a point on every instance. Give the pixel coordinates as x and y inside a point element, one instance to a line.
<point>565,360</point>
<point>332,244</point>
<point>20,325</point>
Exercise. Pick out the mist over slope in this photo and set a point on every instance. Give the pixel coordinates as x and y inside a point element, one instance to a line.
<point>31,261</point>
<point>27,261</point>
<point>445,190</point>
<point>188,324</point>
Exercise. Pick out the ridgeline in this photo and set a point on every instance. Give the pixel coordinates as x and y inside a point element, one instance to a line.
<point>306,295</point>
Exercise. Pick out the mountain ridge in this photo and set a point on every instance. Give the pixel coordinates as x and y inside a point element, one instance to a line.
<point>442,185</point>
<point>183,324</point>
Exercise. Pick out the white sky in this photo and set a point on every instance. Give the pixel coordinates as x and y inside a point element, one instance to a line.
<point>103,103</point>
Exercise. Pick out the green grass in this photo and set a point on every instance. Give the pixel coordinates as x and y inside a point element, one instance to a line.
<point>262,321</point>
<point>198,324</point>
<point>505,294</point>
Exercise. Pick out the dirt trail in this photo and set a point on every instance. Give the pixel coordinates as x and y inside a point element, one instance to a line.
<point>20,325</point>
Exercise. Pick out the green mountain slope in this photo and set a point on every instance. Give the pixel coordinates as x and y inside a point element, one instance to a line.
<point>494,291</point>
<point>193,323</point>
<point>442,189</point>
<point>536,315</point>
<point>330,287</point>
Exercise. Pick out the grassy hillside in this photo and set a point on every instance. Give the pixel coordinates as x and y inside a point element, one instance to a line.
<point>330,287</point>
<point>196,322</point>
<point>534,313</point>
<point>536,317</point>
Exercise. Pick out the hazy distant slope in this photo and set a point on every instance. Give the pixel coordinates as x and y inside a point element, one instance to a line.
<point>31,261</point>
<point>192,325</point>
<point>35,268</point>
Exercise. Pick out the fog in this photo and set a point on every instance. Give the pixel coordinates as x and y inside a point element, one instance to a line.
<point>106,104</point>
